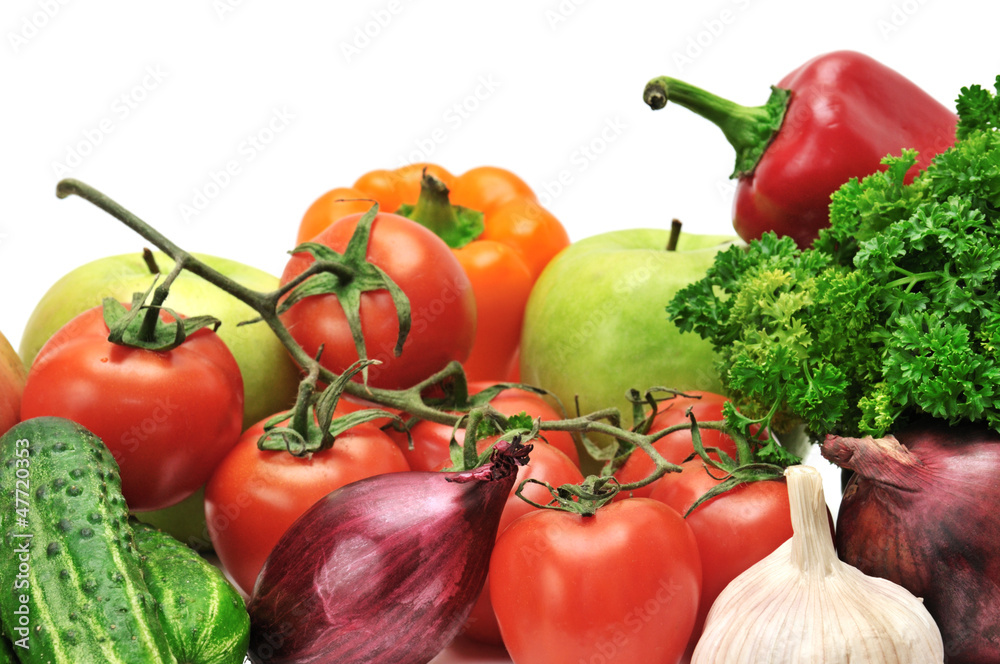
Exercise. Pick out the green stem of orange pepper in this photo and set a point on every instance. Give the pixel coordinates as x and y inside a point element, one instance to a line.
<point>454,224</point>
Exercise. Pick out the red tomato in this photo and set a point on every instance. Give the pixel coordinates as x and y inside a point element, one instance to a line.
<point>426,447</point>
<point>168,417</point>
<point>546,464</point>
<point>677,446</point>
<point>619,586</point>
<point>430,440</point>
<point>512,402</point>
<point>255,495</point>
<point>443,308</point>
<point>734,530</point>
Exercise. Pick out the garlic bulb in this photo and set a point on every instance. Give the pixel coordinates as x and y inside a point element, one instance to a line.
<point>802,604</point>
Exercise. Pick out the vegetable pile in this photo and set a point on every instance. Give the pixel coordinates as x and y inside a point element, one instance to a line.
<point>400,553</point>
<point>414,489</point>
<point>882,338</point>
<point>492,222</point>
<point>893,311</point>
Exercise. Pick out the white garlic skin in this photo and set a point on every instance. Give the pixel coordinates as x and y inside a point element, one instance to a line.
<point>802,604</point>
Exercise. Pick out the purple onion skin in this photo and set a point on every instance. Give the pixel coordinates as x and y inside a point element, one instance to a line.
<point>925,513</point>
<point>384,570</point>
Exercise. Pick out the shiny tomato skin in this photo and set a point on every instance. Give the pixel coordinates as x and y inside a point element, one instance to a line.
<point>734,531</point>
<point>621,585</point>
<point>255,495</point>
<point>426,446</point>
<point>168,417</point>
<point>677,446</point>
<point>546,464</point>
<point>442,304</point>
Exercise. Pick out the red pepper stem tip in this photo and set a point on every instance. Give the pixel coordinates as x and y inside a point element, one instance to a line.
<point>749,129</point>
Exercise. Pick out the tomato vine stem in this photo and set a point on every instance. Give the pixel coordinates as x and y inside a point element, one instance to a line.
<point>152,315</point>
<point>411,401</point>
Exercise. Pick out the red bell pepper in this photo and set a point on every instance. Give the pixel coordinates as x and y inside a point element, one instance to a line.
<point>833,118</point>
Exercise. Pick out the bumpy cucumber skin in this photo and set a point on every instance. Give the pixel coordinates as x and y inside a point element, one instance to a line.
<point>205,618</point>
<point>86,597</point>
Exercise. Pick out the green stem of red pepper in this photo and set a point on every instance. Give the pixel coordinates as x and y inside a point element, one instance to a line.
<point>749,129</point>
<point>454,224</point>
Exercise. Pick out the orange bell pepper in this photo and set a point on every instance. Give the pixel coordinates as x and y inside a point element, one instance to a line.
<point>492,221</point>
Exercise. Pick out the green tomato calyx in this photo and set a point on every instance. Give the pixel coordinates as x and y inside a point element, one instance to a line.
<point>347,276</point>
<point>140,325</point>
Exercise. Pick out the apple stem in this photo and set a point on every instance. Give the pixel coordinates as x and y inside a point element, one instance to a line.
<point>675,234</point>
<point>150,260</point>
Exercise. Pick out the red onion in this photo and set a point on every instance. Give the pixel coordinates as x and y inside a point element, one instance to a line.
<point>384,570</point>
<point>923,511</point>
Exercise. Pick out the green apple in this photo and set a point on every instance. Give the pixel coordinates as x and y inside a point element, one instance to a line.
<point>270,377</point>
<point>596,326</point>
<point>12,376</point>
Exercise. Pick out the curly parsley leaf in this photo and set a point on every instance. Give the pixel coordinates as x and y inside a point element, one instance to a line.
<point>861,210</point>
<point>978,110</point>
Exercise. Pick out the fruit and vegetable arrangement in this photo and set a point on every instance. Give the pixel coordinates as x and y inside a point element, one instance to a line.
<point>446,420</point>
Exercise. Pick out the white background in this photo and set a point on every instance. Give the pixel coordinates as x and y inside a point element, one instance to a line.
<point>150,101</point>
<point>146,101</point>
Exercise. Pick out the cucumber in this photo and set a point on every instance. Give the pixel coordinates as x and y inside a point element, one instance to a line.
<point>205,618</point>
<point>71,585</point>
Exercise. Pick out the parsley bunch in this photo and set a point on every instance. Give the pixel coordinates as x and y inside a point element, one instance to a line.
<point>894,311</point>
